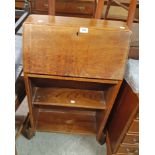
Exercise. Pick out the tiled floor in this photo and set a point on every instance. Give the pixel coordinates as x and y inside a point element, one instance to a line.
<point>59,144</point>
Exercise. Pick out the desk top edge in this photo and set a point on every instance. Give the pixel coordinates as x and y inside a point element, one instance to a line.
<point>76,22</point>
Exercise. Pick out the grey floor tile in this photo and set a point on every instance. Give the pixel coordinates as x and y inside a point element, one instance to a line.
<point>59,144</point>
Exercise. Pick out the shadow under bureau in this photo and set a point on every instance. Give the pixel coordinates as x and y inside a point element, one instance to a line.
<point>73,69</point>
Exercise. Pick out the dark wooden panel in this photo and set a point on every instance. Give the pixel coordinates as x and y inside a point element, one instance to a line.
<point>124,111</point>
<point>63,82</point>
<point>76,7</point>
<point>69,7</point>
<point>64,51</point>
<point>92,81</point>
<point>20,4</point>
<point>67,122</point>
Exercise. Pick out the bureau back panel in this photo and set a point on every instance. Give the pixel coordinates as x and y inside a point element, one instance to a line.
<point>58,46</point>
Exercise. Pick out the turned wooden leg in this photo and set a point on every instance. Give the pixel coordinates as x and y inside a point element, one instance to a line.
<point>108,7</point>
<point>99,8</point>
<point>103,138</point>
<point>30,124</point>
<point>27,131</point>
<point>131,13</point>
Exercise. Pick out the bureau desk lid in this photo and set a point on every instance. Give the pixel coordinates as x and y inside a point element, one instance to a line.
<point>75,47</point>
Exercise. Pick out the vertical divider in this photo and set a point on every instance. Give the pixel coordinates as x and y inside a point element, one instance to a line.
<point>102,116</point>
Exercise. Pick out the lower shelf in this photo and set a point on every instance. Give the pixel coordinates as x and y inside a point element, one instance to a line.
<point>72,121</point>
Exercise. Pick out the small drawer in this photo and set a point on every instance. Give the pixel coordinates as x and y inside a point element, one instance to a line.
<point>128,150</point>
<point>131,139</point>
<point>134,128</point>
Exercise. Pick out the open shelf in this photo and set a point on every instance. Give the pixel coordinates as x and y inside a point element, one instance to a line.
<point>69,106</point>
<point>68,97</point>
<point>66,121</point>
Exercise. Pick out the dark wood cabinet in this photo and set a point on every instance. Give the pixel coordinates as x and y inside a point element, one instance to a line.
<point>123,127</point>
<point>79,8</point>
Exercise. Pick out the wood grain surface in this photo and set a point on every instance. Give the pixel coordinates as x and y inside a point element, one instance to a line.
<point>66,121</point>
<point>69,98</point>
<point>55,46</point>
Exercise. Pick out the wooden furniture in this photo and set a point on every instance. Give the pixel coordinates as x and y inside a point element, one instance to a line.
<point>99,9</point>
<point>134,27</point>
<point>131,14</point>
<point>51,7</point>
<point>123,127</point>
<point>78,8</point>
<point>131,10</point>
<point>73,69</point>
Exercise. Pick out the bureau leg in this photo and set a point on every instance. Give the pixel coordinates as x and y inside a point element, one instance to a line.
<point>28,132</point>
<point>30,125</point>
<point>102,116</point>
<point>103,138</point>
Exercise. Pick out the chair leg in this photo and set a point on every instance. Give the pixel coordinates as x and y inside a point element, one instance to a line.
<point>51,7</point>
<point>108,7</point>
<point>131,13</point>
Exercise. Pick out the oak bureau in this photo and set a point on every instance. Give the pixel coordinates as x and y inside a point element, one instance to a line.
<point>73,69</point>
